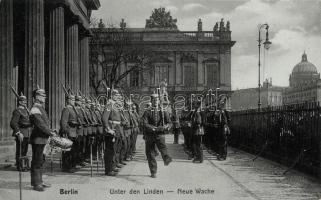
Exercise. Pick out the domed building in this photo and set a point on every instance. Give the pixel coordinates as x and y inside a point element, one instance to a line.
<point>304,81</point>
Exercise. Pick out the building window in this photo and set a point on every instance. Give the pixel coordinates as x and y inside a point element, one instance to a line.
<point>161,73</point>
<point>134,78</point>
<point>212,74</point>
<point>188,76</point>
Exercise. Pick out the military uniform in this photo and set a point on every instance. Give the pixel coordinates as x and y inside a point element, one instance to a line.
<point>81,131</point>
<point>38,139</point>
<point>135,132</point>
<point>221,120</point>
<point>99,129</point>
<point>20,123</point>
<point>186,127</point>
<point>127,127</point>
<point>176,126</point>
<point>153,122</point>
<point>68,128</point>
<point>197,136</point>
<point>112,124</point>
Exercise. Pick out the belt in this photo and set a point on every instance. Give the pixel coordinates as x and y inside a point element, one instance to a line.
<point>25,126</point>
<point>114,122</point>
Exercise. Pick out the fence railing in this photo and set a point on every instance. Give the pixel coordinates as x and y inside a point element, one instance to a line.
<point>289,135</point>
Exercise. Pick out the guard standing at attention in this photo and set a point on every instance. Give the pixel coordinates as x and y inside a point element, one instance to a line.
<point>39,137</point>
<point>113,131</point>
<point>68,129</point>
<point>21,127</point>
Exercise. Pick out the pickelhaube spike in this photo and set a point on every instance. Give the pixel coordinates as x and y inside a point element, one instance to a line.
<point>22,97</point>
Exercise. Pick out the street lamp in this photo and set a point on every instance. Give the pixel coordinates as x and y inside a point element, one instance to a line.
<point>267,44</point>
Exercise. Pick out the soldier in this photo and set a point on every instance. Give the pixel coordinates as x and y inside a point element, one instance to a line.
<point>113,131</point>
<point>186,128</point>
<point>21,127</point>
<point>88,130</point>
<point>81,132</point>
<point>69,123</point>
<point>176,125</point>
<point>92,113</point>
<point>221,122</point>
<point>39,137</point>
<point>197,133</point>
<point>156,122</point>
<point>209,137</point>
<point>127,127</point>
<point>136,120</point>
<point>99,128</point>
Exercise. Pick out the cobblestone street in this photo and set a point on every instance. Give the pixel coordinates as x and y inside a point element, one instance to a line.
<point>236,178</point>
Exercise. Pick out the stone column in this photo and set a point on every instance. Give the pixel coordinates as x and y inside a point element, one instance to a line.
<point>72,56</point>
<point>34,47</point>
<point>84,63</point>
<point>56,63</point>
<point>7,99</point>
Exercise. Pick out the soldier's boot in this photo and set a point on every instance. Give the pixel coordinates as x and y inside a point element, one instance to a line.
<point>36,180</point>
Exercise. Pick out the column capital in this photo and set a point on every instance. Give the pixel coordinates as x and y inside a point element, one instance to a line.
<point>57,3</point>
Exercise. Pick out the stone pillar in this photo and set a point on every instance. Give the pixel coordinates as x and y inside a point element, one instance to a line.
<point>200,69</point>
<point>72,57</point>
<point>34,47</point>
<point>84,63</point>
<point>56,64</point>
<point>7,100</point>
<point>178,69</point>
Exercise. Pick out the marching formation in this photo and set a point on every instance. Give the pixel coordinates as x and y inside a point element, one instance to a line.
<point>90,130</point>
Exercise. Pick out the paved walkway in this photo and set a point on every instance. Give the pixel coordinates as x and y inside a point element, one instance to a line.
<point>236,178</point>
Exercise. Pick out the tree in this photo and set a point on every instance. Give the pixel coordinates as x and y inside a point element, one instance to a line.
<point>112,48</point>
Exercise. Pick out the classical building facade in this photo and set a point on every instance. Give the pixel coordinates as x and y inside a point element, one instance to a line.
<point>304,83</point>
<point>45,43</point>
<point>244,99</point>
<point>189,61</point>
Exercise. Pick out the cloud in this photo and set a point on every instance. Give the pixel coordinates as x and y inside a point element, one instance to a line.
<point>192,6</point>
<point>172,9</point>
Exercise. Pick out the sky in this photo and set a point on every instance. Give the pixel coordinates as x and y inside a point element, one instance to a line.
<point>295,27</point>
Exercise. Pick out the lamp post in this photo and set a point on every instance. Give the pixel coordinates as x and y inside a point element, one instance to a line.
<point>267,44</point>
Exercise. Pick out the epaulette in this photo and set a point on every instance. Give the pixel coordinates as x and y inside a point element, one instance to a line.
<point>34,110</point>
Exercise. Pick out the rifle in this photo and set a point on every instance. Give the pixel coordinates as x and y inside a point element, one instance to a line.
<point>16,94</point>
<point>66,92</point>
<point>78,116</point>
<point>14,91</point>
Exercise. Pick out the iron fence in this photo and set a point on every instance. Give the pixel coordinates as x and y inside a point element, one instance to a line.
<point>289,135</point>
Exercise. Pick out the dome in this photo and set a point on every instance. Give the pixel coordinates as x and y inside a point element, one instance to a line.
<point>305,66</point>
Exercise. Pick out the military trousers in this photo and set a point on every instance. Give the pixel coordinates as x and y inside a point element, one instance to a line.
<point>135,134</point>
<point>176,134</point>
<point>221,143</point>
<point>197,149</point>
<point>123,149</point>
<point>109,154</point>
<point>69,158</point>
<point>150,141</point>
<point>38,158</point>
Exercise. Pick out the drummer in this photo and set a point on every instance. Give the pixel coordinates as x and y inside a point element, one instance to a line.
<point>39,137</point>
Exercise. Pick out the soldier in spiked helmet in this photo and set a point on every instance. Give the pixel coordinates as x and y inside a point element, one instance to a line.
<point>39,137</point>
<point>21,126</point>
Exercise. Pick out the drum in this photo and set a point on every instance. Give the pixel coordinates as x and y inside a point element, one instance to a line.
<point>60,142</point>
